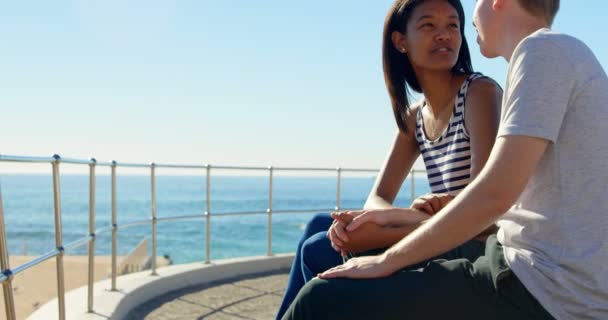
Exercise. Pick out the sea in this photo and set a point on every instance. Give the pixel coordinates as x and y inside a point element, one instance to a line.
<point>29,214</point>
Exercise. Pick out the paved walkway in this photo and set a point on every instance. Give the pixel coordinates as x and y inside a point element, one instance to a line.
<point>253,298</point>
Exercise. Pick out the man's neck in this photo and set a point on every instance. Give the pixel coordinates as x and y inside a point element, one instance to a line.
<point>514,35</point>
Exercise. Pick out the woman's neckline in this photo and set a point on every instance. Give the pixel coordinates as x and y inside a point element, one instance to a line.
<point>454,103</point>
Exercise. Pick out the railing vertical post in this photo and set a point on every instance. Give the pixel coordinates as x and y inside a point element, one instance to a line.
<point>91,234</point>
<point>153,200</point>
<point>114,226</point>
<point>338,189</point>
<point>58,236</point>
<point>9,301</point>
<point>412,185</point>
<point>269,211</point>
<point>208,217</point>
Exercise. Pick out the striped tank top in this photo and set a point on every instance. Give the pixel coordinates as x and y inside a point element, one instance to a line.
<point>448,158</point>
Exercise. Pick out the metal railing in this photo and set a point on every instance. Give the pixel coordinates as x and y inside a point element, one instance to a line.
<point>8,274</point>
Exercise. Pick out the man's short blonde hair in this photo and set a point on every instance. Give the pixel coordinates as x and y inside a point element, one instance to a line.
<point>541,8</point>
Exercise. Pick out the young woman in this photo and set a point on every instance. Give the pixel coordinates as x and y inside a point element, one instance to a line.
<point>453,127</point>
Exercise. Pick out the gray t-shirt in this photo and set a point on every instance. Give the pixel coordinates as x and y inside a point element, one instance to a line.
<point>555,236</point>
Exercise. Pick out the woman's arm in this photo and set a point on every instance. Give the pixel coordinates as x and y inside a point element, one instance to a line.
<point>372,236</point>
<point>398,164</point>
<point>482,115</point>
<point>400,160</point>
<point>384,228</point>
<point>481,120</point>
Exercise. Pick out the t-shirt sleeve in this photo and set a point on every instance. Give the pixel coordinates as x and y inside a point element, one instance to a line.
<point>539,86</point>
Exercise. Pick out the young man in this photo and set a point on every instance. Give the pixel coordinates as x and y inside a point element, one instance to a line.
<point>544,184</point>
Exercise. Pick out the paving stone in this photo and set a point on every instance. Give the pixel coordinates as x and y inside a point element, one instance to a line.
<point>239,299</point>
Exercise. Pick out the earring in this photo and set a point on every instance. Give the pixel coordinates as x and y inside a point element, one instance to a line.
<point>403,50</point>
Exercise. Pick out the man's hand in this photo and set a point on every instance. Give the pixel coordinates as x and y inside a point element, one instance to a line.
<point>360,268</point>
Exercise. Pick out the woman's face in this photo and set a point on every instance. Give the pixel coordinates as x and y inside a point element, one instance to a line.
<point>432,39</point>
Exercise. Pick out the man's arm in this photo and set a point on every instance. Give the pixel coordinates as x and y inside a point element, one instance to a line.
<point>512,162</point>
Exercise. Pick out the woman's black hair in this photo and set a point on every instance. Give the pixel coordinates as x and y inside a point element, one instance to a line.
<point>397,68</point>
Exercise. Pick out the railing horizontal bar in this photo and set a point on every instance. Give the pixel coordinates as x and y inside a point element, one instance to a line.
<point>9,158</point>
<point>104,164</point>
<point>180,166</point>
<point>322,169</point>
<point>243,213</point>
<point>35,262</point>
<point>220,214</point>
<point>359,170</point>
<point>303,211</point>
<point>12,158</point>
<point>78,243</point>
<point>227,214</point>
<point>196,216</point>
<point>133,165</point>
<point>134,223</point>
<point>103,230</point>
<point>123,164</point>
<point>238,168</point>
<point>302,169</point>
<point>76,161</point>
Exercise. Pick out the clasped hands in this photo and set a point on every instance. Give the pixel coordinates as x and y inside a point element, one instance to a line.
<point>363,230</point>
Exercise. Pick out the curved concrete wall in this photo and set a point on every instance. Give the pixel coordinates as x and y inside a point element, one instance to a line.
<point>137,288</point>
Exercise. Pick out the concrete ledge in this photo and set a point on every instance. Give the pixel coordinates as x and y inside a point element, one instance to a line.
<point>137,288</point>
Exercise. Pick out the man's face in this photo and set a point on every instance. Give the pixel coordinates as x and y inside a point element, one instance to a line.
<point>485,24</point>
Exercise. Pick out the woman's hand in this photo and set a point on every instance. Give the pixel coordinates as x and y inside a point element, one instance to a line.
<point>360,268</point>
<point>394,217</point>
<point>348,221</point>
<point>377,216</point>
<point>431,203</point>
<point>337,235</point>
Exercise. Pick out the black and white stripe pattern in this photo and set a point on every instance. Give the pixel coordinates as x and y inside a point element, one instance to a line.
<point>448,158</point>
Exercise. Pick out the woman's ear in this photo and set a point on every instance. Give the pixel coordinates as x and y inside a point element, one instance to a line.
<point>399,41</point>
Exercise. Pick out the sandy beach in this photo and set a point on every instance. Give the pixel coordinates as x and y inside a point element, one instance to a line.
<point>37,285</point>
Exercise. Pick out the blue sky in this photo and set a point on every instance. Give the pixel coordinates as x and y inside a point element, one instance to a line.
<point>224,82</point>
